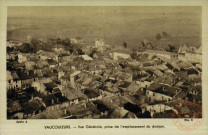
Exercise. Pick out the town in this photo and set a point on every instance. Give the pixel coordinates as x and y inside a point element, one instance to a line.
<point>71,79</point>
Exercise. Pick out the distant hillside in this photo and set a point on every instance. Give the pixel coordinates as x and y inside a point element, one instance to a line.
<point>114,28</point>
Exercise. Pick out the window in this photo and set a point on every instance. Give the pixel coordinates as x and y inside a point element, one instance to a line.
<point>153,94</point>
<point>9,81</point>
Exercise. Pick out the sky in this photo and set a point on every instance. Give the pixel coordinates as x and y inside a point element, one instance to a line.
<point>45,12</point>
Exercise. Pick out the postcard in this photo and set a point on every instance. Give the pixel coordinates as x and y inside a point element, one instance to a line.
<point>103,67</point>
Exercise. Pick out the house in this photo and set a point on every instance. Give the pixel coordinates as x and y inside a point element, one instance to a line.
<point>39,73</point>
<point>86,57</point>
<point>191,54</point>
<point>11,56</point>
<point>119,112</point>
<point>124,76</point>
<point>95,85</point>
<point>118,55</point>
<point>21,57</point>
<point>63,59</point>
<point>60,73</point>
<point>161,92</point>
<point>43,55</point>
<point>81,111</point>
<point>42,64</point>
<point>192,57</point>
<point>59,48</point>
<point>87,82</point>
<point>168,55</point>
<point>72,95</point>
<point>52,63</point>
<point>29,65</point>
<point>93,94</point>
<point>27,78</point>
<point>13,81</point>
<point>45,80</point>
<point>133,88</point>
<point>99,44</point>
<point>190,49</point>
<point>144,84</point>
<point>123,87</point>
<point>10,44</point>
<point>39,87</point>
<point>157,108</point>
<point>157,73</point>
<point>73,78</point>
<point>65,80</point>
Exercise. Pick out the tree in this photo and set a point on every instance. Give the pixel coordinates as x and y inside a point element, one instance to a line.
<point>66,42</point>
<point>170,48</point>
<point>133,55</point>
<point>26,48</point>
<point>10,49</point>
<point>125,44</point>
<point>158,36</point>
<point>11,94</point>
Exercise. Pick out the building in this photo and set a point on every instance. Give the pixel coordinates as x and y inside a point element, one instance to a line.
<point>39,87</point>
<point>117,55</point>
<point>72,78</point>
<point>99,44</point>
<point>157,108</point>
<point>168,55</point>
<point>21,58</point>
<point>161,92</point>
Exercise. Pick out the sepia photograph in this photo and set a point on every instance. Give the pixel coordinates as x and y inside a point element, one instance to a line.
<point>103,62</point>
